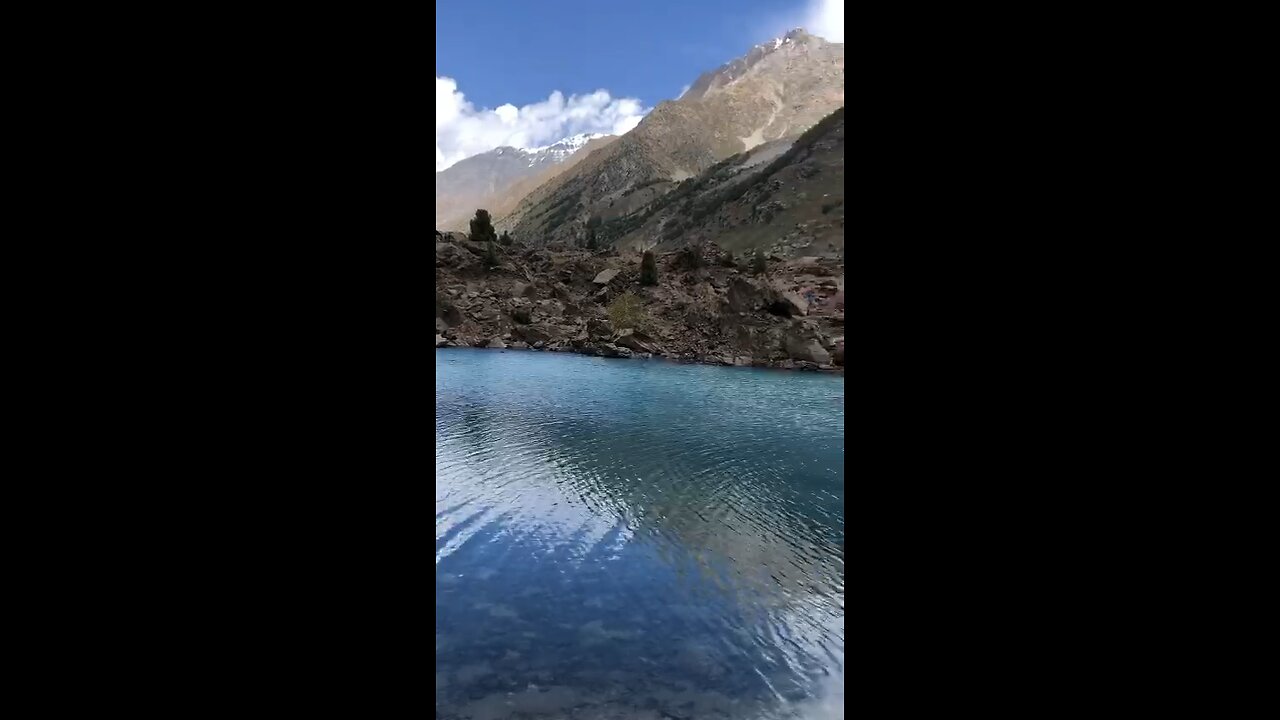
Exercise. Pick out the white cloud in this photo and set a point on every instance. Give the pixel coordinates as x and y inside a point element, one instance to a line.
<point>825,18</point>
<point>462,130</point>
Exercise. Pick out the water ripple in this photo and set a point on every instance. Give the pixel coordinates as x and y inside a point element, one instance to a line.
<point>624,537</point>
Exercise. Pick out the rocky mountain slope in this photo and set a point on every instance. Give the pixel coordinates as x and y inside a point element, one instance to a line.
<point>775,92</point>
<point>704,310</point>
<point>787,199</point>
<point>498,179</point>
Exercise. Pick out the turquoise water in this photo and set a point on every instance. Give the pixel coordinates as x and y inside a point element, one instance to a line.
<point>636,539</point>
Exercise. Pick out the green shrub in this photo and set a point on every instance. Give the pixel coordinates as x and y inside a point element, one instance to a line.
<point>627,311</point>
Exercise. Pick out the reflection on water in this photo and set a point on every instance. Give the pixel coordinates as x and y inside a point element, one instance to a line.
<point>632,539</point>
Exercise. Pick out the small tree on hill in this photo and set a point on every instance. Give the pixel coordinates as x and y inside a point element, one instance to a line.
<point>592,242</point>
<point>505,239</point>
<point>482,228</point>
<point>491,255</point>
<point>758,263</point>
<point>648,269</point>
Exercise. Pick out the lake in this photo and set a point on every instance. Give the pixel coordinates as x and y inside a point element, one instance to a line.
<point>637,539</point>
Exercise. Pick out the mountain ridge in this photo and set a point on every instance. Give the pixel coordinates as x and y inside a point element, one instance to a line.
<point>777,90</point>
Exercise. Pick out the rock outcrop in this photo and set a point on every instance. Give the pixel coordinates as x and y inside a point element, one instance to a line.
<point>557,299</point>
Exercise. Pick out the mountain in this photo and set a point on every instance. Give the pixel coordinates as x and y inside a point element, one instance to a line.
<point>784,197</point>
<point>773,93</point>
<point>487,180</point>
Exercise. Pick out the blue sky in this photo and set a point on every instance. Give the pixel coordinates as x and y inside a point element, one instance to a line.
<point>530,72</point>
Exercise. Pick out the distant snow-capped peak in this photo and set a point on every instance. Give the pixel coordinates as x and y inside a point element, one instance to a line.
<point>556,152</point>
<point>570,144</point>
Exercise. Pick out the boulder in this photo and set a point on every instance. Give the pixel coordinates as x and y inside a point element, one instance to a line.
<point>606,276</point>
<point>441,326</point>
<point>496,343</point>
<point>808,349</point>
<point>838,356</point>
<point>518,345</point>
<point>440,341</point>
<point>794,304</point>
<point>637,341</point>
<point>524,290</point>
<point>746,296</point>
<point>533,334</point>
<point>613,351</point>
<point>599,329</point>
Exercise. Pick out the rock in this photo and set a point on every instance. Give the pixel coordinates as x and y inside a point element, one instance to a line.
<point>440,341</point>
<point>521,315</point>
<point>539,345</point>
<point>838,357</point>
<point>606,276</point>
<point>523,290</point>
<point>599,329</point>
<point>486,314</point>
<point>496,343</point>
<point>746,296</point>
<point>807,349</point>
<point>637,341</point>
<point>441,326</point>
<point>533,333</point>
<point>796,305</point>
<point>613,351</point>
<point>742,361</point>
<point>518,345</point>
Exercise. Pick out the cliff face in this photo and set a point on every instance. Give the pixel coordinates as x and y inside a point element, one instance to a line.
<point>557,299</point>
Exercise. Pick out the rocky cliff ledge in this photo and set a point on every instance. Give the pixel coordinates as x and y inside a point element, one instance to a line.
<point>703,308</point>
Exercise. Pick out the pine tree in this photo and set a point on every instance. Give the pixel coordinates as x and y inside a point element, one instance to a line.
<point>482,228</point>
<point>648,269</point>
<point>592,244</point>
<point>505,239</point>
<point>491,255</point>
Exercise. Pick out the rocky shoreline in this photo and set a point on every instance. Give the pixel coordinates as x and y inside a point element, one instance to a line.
<point>622,353</point>
<point>704,309</point>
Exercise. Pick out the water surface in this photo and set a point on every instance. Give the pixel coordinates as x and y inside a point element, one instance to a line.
<point>636,539</point>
